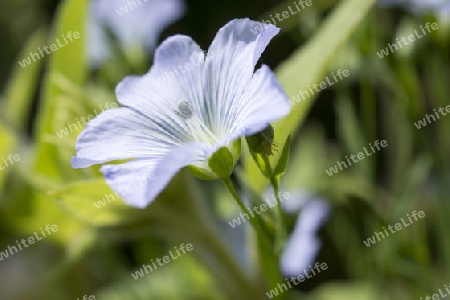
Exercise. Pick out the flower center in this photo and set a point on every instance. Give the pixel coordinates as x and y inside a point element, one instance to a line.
<point>200,132</point>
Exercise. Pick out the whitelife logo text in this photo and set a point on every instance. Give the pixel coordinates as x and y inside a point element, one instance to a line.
<point>49,229</point>
<point>398,226</point>
<point>391,48</point>
<point>281,287</point>
<point>356,158</point>
<point>49,49</point>
<point>162,261</point>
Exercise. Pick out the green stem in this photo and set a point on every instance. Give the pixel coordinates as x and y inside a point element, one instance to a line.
<point>256,225</point>
<point>280,234</point>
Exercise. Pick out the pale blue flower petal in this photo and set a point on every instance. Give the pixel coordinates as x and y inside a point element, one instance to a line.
<point>138,182</point>
<point>440,8</point>
<point>231,85</point>
<point>300,253</point>
<point>165,85</point>
<point>263,102</point>
<point>134,22</point>
<point>303,244</point>
<point>144,23</point>
<point>313,215</point>
<point>159,93</point>
<point>121,133</point>
<point>299,198</point>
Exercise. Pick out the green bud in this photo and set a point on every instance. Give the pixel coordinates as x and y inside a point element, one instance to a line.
<point>261,142</point>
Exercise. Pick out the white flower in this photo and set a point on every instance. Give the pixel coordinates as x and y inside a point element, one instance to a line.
<point>203,109</point>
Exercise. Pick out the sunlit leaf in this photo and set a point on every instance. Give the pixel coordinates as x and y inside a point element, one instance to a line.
<point>7,146</point>
<point>68,61</point>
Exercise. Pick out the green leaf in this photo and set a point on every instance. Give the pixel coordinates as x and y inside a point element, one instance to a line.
<point>7,146</point>
<point>283,161</point>
<point>350,132</point>
<point>93,202</point>
<point>23,84</point>
<point>33,209</point>
<point>67,61</point>
<point>308,65</point>
<point>261,164</point>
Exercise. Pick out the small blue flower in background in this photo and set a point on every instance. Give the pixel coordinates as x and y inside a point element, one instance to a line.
<point>134,22</point>
<point>438,7</point>
<point>208,104</point>
<point>303,244</point>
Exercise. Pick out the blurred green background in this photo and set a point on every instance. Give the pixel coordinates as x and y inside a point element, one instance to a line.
<point>95,250</point>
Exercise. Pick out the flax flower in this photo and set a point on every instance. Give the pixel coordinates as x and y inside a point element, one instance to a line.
<point>133,22</point>
<point>303,245</point>
<point>440,8</point>
<point>205,108</point>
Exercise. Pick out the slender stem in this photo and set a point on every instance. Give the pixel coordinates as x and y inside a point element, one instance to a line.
<point>280,234</point>
<point>256,225</point>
